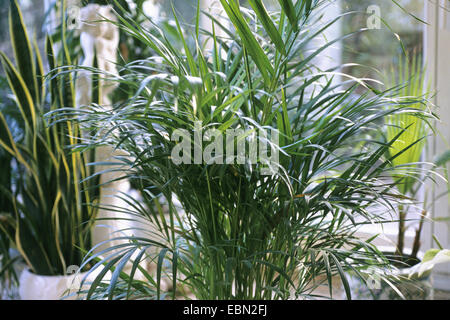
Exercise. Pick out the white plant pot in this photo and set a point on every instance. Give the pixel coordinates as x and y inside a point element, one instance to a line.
<point>38,287</point>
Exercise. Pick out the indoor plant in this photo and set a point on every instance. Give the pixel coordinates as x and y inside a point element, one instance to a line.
<point>410,77</point>
<point>49,223</point>
<point>411,71</point>
<point>250,229</point>
<point>8,275</point>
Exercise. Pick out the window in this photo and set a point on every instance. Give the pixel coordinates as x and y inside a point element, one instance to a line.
<point>378,49</point>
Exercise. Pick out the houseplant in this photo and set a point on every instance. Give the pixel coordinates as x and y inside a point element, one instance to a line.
<point>49,222</point>
<point>8,275</point>
<point>411,70</point>
<point>409,76</point>
<point>250,227</point>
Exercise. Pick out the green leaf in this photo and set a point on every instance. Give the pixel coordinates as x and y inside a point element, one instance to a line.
<point>431,258</point>
<point>442,159</point>
<point>289,10</point>
<point>268,24</point>
<point>248,39</point>
<point>23,52</point>
<point>161,257</point>
<point>21,91</point>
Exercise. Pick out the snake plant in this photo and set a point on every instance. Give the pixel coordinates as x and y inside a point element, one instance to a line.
<point>48,221</point>
<point>8,276</point>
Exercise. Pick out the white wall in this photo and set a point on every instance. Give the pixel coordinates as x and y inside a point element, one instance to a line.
<point>437,42</point>
<point>332,56</point>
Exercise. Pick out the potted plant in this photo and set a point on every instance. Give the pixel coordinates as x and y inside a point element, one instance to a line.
<point>413,130</point>
<point>49,222</point>
<point>248,225</point>
<point>8,275</point>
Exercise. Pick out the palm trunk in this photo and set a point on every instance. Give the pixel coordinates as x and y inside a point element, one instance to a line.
<point>401,231</point>
<point>416,245</point>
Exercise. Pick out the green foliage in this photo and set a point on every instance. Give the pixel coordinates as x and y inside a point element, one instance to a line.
<point>7,274</point>
<point>409,76</point>
<point>240,234</point>
<point>48,220</point>
<point>431,258</point>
